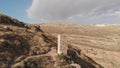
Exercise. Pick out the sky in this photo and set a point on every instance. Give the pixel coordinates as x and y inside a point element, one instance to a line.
<point>16,9</point>
<point>76,11</point>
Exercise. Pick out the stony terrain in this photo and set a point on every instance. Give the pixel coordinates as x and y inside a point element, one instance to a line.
<point>35,46</point>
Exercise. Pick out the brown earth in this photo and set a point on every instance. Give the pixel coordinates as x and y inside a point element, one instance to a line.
<point>35,46</point>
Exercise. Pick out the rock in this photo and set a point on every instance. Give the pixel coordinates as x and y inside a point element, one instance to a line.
<point>80,58</point>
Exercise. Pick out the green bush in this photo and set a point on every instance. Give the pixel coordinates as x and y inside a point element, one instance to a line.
<point>61,56</point>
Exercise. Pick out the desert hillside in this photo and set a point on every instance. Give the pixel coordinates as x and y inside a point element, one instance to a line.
<point>35,45</point>
<point>101,43</point>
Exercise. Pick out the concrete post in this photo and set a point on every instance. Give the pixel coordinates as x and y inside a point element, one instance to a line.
<point>59,45</point>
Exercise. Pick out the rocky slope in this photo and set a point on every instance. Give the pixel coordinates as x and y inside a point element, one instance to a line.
<point>7,20</point>
<point>19,42</point>
<point>35,46</point>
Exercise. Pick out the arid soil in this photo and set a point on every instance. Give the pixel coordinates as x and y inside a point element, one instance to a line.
<point>35,45</point>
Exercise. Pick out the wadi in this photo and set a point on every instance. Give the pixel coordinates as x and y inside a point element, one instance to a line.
<point>24,45</point>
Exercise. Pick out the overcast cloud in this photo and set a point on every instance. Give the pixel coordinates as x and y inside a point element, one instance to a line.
<point>83,11</point>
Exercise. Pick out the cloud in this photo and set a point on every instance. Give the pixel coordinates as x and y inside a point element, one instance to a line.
<point>70,9</point>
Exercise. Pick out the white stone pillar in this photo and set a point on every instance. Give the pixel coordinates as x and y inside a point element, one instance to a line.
<point>59,45</point>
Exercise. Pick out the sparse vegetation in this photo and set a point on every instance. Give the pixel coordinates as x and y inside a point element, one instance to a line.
<point>30,64</point>
<point>61,56</point>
